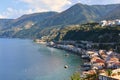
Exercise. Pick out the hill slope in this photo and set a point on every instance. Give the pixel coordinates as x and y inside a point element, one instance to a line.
<point>30,19</point>
<point>4,22</point>
<point>40,24</point>
<point>78,14</point>
<point>113,14</point>
<point>14,26</point>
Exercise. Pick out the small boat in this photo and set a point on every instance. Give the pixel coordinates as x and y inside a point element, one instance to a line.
<point>85,56</point>
<point>86,68</point>
<point>66,66</point>
<point>86,65</point>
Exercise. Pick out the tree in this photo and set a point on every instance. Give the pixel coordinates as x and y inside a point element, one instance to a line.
<point>92,77</point>
<point>118,73</point>
<point>109,72</point>
<point>76,76</point>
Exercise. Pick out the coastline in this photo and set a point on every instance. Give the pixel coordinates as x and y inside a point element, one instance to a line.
<point>93,60</point>
<point>73,50</point>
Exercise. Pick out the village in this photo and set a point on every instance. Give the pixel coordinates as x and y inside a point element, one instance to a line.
<point>95,61</point>
<point>110,22</point>
<point>101,62</point>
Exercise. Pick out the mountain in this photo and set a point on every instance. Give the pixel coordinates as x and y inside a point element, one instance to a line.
<point>113,14</point>
<point>23,23</point>
<point>4,22</point>
<point>78,14</point>
<point>29,20</point>
<point>42,24</point>
<point>90,32</point>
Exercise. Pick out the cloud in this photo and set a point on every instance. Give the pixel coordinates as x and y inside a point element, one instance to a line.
<point>47,5</point>
<point>14,13</point>
<point>34,6</point>
<point>20,7</point>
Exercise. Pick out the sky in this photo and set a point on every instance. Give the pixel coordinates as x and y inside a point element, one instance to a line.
<point>15,8</point>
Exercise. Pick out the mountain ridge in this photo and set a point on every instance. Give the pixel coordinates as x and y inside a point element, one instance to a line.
<point>79,13</point>
<point>33,18</point>
<point>34,25</point>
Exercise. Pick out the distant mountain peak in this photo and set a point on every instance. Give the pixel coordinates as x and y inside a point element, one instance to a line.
<point>79,5</point>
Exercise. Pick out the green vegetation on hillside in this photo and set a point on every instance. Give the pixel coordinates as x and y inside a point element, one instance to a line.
<point>79,14</point>
<point>90,32</point>
<point>64,25</point>
<point>76,76</point>
<point>113,14</point>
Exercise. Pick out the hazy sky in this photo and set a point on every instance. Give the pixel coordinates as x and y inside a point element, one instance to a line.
<point>16,8</point>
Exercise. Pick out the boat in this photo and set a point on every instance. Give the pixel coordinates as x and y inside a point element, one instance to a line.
<point>86,65</point>
<point>86,68</point>
<point>66,66</point>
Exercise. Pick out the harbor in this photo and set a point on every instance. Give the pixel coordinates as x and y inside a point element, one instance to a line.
<point>94,60</point>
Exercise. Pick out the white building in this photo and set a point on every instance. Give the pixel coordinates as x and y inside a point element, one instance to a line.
<point>103,23</point>
<point>117,21</point>
<point>110,22</point>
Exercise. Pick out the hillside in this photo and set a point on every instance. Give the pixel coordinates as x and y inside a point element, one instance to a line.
<point>37,25</point>
<point>23,23</point>
<point>4,22</point>
<point>113,14</point>
<point>29,20</point>
<point>78,14</point>
<point>90,32</point>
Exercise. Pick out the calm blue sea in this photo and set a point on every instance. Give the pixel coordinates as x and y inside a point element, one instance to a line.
<point>26,60</point>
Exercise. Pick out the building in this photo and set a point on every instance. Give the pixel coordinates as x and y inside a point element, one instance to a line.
<point>114,76</point>
<point>110,22</point>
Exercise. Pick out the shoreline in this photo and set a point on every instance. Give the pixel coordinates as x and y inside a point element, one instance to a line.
<point>94,61</point>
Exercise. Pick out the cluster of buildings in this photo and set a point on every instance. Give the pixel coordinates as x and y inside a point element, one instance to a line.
<point>110,22</point>
<point>68,47</point>
<point>102,60</point>
<point>94,60</point>
<point>40,41</point>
